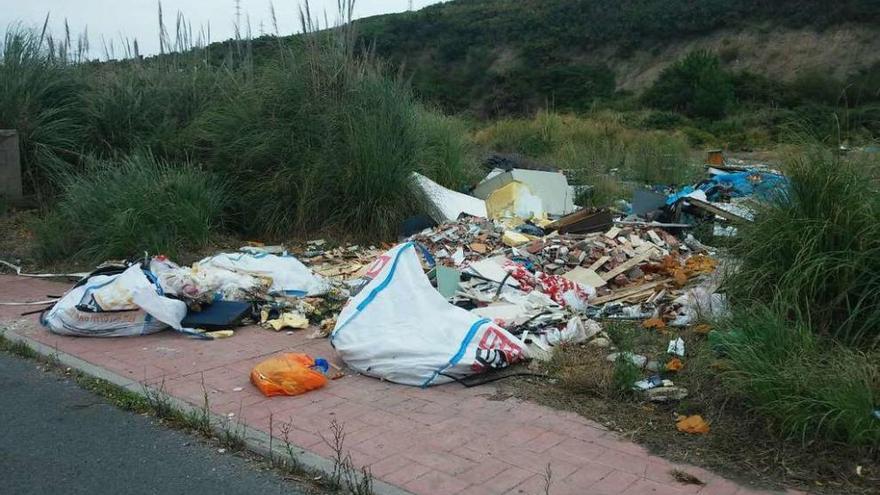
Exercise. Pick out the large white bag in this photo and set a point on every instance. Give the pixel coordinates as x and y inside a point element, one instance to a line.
<point>401,329</point>
<point>117,305</point>
<point>289,276</point>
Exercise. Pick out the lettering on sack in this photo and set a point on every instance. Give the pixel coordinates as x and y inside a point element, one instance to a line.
<point>377,266</point>
<point>495,351</point>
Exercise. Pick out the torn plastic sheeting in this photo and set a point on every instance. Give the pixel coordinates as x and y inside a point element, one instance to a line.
<point>445,205</point>
<point>287,274</point>
<point>399,328</point>
<point>119,305</point>
<point>763,185</point>
<point>698,303</point>
<point>561,290</point>
<point>576,331</point>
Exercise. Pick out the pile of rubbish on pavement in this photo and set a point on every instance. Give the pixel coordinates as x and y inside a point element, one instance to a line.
<point>503,274</point>
<point>218,292</point>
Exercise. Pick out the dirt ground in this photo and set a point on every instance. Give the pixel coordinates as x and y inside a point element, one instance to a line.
<point>739,445</point>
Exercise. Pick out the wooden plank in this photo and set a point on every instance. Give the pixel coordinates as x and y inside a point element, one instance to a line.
<point>639,296</point>
<point>599,262</point>
<point>715,210</point>
<point>623,294</point>
<point>611,234</point>
<point>624,267</point>
<point>585,276</point>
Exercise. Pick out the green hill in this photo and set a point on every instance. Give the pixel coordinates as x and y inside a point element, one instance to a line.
<point>495,57</point>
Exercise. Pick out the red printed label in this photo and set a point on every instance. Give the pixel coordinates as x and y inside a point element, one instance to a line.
<point>496,350</point>
<point>377,266</point>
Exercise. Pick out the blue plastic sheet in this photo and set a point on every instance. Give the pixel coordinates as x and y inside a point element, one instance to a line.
<point>763,185</point>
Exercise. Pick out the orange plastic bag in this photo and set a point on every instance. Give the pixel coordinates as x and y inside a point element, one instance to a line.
<point>287,374</point>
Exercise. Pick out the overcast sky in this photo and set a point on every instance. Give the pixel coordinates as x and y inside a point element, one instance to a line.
<point>138,19</point>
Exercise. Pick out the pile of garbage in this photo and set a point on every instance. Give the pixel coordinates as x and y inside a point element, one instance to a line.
<point>504,274</point>
<point>729,196</point>
<point>218,292</point>
<point>486,290</point>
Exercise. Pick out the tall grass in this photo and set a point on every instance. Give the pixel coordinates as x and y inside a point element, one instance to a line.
<point>133,104</point>
<point>320,136</point>
<point>123,207</point>
<point>808,386</point>
<point>39,91</point>
<point>816,249</point>
<point>324,138</point>
<point>448,154</point>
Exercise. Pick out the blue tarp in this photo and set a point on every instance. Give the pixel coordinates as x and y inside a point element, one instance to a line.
<point>763,185</point>
<point>743,184</point>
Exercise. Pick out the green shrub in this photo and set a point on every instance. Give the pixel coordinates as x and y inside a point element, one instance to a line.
<point>146,104</point>
<point>320,139</point>
<point>695,85</point>
<point>123,207</point>
<point>749,87</point>
<point>447,154</point>
<point>808,386</point>
<point>39,97</point>
<point>664,120</point>
<point>816,249</point>
<point>815,86</point>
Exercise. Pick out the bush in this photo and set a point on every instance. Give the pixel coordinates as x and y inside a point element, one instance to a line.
<point>695,85</point>
<point>121,208</point>
<point>447,154</point>
<point>318,139</point>
<point>39,98</point>
<point>145,104</point>
<point>808,386</point>
<point>664,120</point>
<point>816,249</point>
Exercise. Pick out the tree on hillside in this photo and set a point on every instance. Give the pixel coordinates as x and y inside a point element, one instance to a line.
<point>695,85</point>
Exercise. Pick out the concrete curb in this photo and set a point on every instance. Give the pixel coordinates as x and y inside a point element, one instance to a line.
<point>256,441</point>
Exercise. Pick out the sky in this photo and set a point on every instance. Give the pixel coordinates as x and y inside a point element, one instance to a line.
<point>115,20</point>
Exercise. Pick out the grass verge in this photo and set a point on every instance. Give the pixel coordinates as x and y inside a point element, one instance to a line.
<point>124,207</point>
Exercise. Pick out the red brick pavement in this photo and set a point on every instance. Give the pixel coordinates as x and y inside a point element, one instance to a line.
<point>442,440</point>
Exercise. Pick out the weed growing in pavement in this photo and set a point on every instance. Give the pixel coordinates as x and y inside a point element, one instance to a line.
<point>232,436</point>
<point>291,462</point>
<point>200,419</point>
<point>345,475</point>
<point>160,402</point>
<point>17,347</point>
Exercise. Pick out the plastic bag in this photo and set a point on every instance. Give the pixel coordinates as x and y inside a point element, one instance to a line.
<point>401,329</point>
<point>287,274</point>
<point>124,304</point>
<point>288,374</point>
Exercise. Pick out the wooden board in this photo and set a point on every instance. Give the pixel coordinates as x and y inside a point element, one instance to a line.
<point>585,276</point>
<point>624,293</point>
<point>625,266</point>
<point>599,262</point>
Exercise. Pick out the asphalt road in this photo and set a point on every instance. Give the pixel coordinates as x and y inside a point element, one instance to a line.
<point>58,438</point>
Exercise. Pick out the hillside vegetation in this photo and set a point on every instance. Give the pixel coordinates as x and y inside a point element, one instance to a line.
<point>501,56</point>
